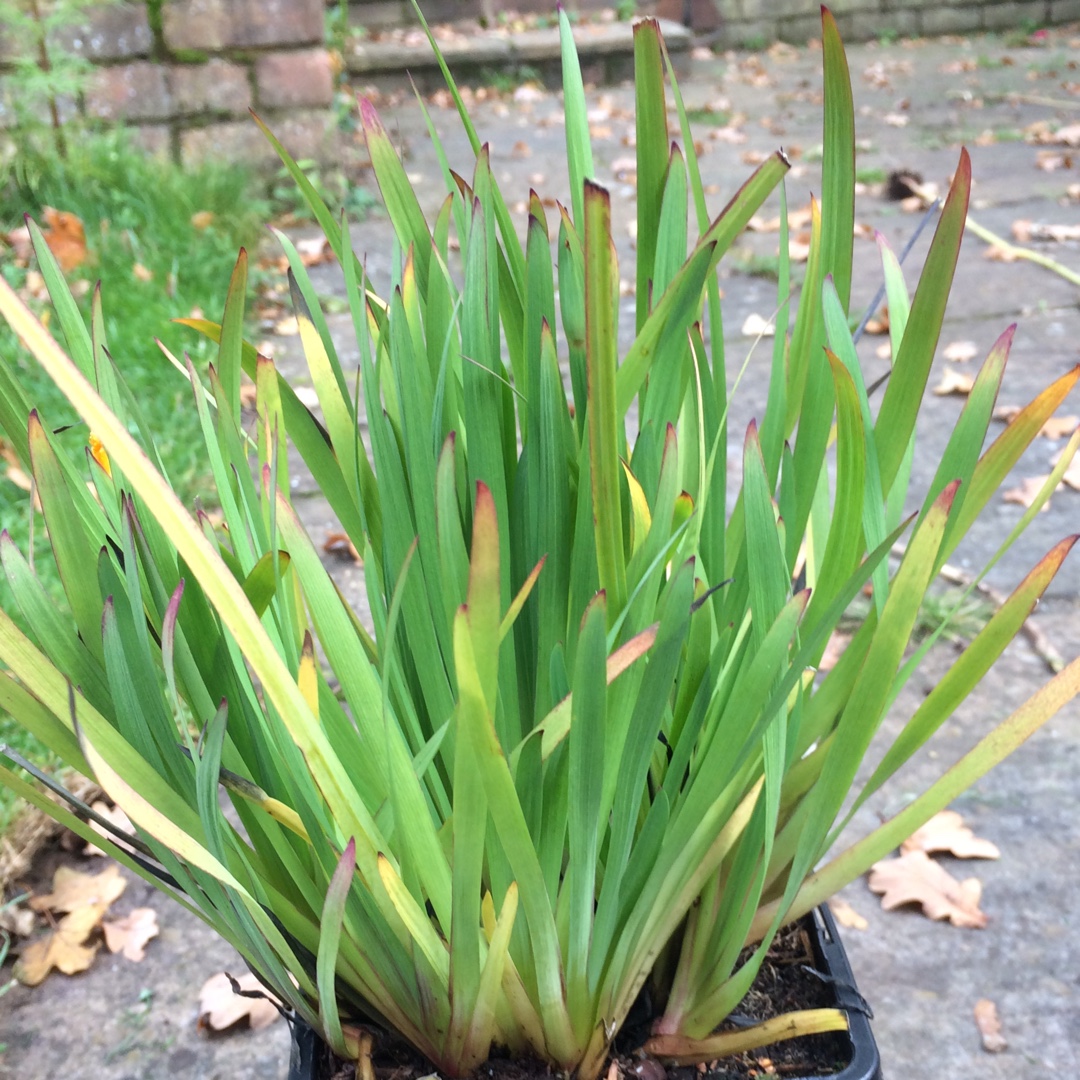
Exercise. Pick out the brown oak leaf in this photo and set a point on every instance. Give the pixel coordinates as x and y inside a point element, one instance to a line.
<point>63,948</point>
<point>1025,494</point>
<point>946,831</point>
<point>914,878</point>
<point>954,382</point>
<point>130,934</point>
<point>959,352</point>
<point>73,889</point>
<point>220,1007</point>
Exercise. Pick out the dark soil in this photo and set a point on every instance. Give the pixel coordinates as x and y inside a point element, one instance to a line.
<point>791,978</point>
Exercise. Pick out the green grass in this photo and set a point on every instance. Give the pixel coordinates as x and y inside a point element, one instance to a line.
<point>871,175</point>
<point>137,211</point>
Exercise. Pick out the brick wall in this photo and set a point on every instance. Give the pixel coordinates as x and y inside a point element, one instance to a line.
<point>184,73</point>
<point>736,22</point>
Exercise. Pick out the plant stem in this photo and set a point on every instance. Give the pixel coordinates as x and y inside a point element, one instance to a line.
<point>1016,252</point>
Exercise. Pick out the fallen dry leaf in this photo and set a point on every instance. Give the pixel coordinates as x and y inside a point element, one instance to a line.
<point>62,948</point>
<point>834,649</point>
<point>846,915</point>
<point>287,327</point>
<point>338,543</point>
<point>142,273</point>
<point>1052,160</point>
<point>220,1007</point>
<point>989,1025</point>
<point>757,326</point>
<point>18,920</point>
<point>946,831</point>
<point>997,253</point>
<point>879,324</point>
<point>66,237</point>
<point>202,219</point>
<point>1059,427</point>
<point>1025,231</point>
<point>130,934</point>
<point>1006,414</point>
<point>1071,476</point>
<point>954,382</point>
<point>113,814</point>
<point>1025,494</point>
<point>960,352</point>
<point>914,878</point>
<point>73,889</point>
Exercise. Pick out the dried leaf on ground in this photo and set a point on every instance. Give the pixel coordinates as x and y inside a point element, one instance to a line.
<point>914,878</point>
<point>960,352</point>
<point>946,831</point>
<point>1052,160</point>
<point>63,948</point>
<point>220,1007</point>
<point>757,326</point>
<point>73,889</point>
<point>878,324</point>
<point>846,915</point>
<point>18,920</point>
<point>113,814</point>
<point>1025,494</point>
<point>954,382</point>
<point>989,1025</point>
<point>66,237</point>
<point>130,934</point>
<point>834,649</point>
<point>202,219</point>
<point>338,543</point>
<point>287,327</point>
<point>1071,476</point>
<point>1059,427</point>
<point>1025,231</point>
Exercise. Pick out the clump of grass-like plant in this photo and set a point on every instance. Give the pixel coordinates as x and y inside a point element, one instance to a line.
<point>582,744</point>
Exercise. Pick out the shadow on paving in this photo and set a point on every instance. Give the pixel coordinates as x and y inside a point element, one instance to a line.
<point>915,104</point>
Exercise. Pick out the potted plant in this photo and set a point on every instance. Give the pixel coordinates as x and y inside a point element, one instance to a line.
<point>582,749</point>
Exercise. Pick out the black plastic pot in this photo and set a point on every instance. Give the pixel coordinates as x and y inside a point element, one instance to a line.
<point>310,1059</point>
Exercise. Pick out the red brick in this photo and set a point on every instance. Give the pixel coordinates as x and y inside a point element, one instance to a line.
<point>221,24</point>
<point>216,86</point>
<point>290,79</point>
<point>118,31</point>
<point>154,139</point>
<point>137,91</point>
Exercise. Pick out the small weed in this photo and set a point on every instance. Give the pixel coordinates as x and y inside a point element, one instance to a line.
<point>744,260</point>
<point>625,10</point>
<point>715,118</point>
<point>959,618</point>
<point>888,36</point>
<point>287,203</point>
<point>504,81</point>
<point>755,43</point>
<point>871,175</point>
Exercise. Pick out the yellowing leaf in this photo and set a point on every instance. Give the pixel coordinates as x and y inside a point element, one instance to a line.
<point>62,948</point>
<point>989,1025</point>
<point>73,890</point>
<point>130,934</point>
<point>99,453</point>
<point>953,382</point>
<point>220,1007</point>
<point>915,878</point>
<point>946,831</point>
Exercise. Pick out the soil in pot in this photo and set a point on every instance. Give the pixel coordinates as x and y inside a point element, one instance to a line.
<point>789,979</point>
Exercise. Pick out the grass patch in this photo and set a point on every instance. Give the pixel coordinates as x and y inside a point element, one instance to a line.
<point>142,219</point>
<point>871,175</point>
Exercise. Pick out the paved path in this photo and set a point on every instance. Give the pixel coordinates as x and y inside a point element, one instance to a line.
<point>916,103</point>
